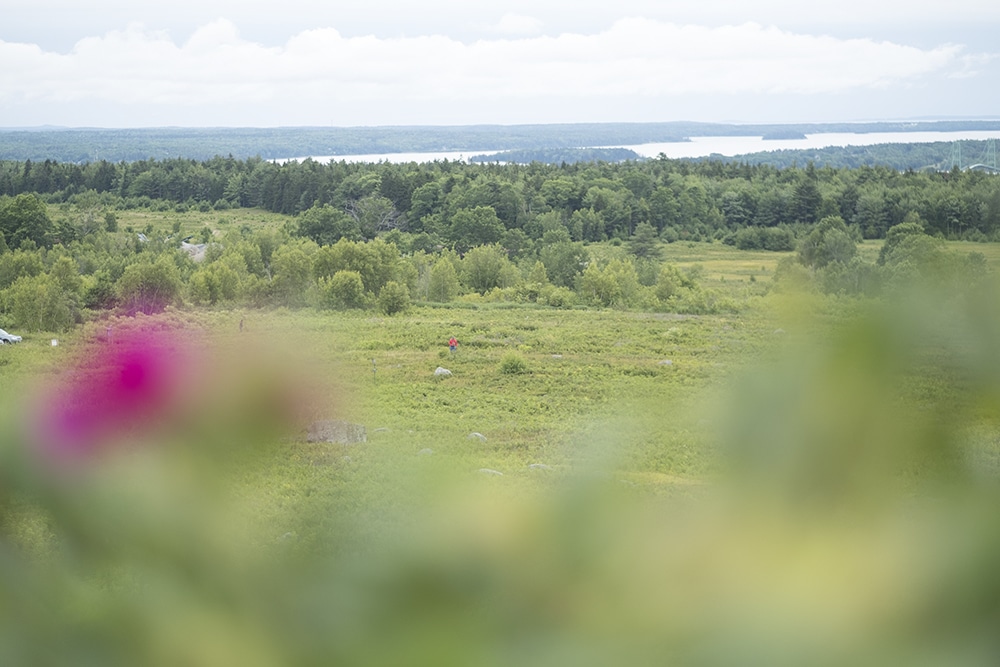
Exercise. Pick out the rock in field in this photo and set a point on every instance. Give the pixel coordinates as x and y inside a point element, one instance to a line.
<point>336,431</point>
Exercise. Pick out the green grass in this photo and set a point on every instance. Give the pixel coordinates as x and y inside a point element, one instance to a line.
<point>723,262</point>
<point>990,250</point>
<point>583,371</point>
<point>584,368</point>
<point>192,221</point>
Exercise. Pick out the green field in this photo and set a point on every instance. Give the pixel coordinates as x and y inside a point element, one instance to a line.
<point>583,369</point>
<point>193,221</point>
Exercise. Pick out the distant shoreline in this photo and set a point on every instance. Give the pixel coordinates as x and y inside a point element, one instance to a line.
<point>726,148</point>
<point>80,145</point>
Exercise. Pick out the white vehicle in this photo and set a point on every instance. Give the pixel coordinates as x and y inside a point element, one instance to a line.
<point>6,338</point>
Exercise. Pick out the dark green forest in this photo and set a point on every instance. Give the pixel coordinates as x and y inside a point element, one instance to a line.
<point>592,201</point>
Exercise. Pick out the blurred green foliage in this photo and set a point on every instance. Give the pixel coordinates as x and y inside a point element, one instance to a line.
<point>849,518</point>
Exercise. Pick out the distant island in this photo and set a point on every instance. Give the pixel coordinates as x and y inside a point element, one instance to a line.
<point>559,155</point>
<point>783,134</point>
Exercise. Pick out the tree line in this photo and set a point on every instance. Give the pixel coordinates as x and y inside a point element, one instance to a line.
<point>459,204</point>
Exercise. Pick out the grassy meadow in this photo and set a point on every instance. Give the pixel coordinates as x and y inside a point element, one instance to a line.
<point>631,379</point>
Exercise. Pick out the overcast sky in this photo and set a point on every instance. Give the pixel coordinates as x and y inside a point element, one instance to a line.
<point>121,63</point>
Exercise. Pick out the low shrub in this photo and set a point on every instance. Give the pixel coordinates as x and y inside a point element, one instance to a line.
<point>513,364</point>
<point>394,298</point>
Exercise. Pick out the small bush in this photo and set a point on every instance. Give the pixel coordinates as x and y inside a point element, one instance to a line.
<point>444,285</point>
<point>775,239</point>
<point>557,297</point>
<point>513,364</point>
<point>504,295</point>
<point>342,291</point>
<point>394,298</point>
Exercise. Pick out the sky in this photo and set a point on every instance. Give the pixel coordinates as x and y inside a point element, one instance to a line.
<point>228,63</point>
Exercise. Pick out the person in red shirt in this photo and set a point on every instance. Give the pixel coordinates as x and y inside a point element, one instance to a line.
<point>452,344</point>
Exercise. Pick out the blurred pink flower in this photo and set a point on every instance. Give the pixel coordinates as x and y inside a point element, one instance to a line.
<point>122,388</point>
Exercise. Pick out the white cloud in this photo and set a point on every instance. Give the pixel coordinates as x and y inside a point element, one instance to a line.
<point>373,80</point>
<point>518,24</point>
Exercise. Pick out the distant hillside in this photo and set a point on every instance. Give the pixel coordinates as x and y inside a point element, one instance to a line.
<point>81,145</point>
